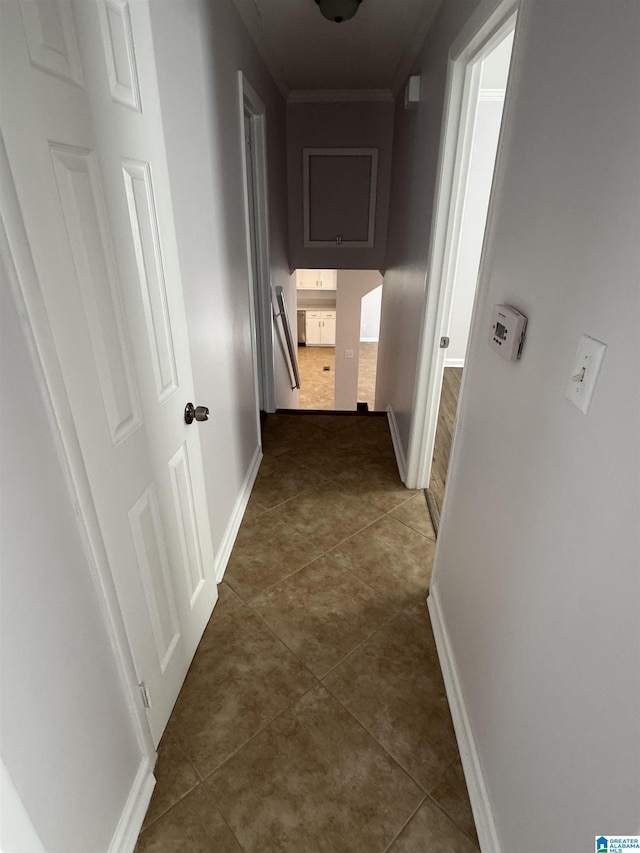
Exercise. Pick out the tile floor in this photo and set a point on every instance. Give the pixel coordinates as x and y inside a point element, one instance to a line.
<point>314,717</point>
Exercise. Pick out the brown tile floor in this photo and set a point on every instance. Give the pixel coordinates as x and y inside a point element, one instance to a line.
<point>314,717</point>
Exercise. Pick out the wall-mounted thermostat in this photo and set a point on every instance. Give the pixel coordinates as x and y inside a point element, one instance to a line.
<point>507,331</point>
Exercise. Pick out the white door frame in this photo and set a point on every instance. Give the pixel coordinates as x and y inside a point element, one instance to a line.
<point>260,296</point>
<point>26,290</point>
<point>491,22</point>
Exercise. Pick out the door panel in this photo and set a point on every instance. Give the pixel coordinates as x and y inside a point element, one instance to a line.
<point>184,505</point>
<point>85,216</point>
<point>51,38</point>
<point>119,53</point>
<point>91,176</point>
<point>146,239</point>
<point>151,551</point>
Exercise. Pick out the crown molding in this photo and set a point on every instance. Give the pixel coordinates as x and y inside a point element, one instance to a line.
<point>332,96</point>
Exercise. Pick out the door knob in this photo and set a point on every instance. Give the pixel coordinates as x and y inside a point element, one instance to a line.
<point>195,413</point>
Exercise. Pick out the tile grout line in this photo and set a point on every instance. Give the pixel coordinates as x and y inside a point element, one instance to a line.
<point>453,821</point>
<point>405,825</point>
<point>385,622</point>
<point>381,745</point>
<point>173,805</point>
<point>441,776</point>
<point>258,732</point>
<point>319,681</point>
<point>226,823</point>
<point>406,524</point>
<point>431,795</point>
<point>323,554</point>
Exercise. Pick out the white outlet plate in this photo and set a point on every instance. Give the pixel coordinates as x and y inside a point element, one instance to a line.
<point>584,373</point>
<point>348,353</point>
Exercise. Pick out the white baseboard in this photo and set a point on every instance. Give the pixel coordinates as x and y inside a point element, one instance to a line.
<point>454,362</point>
<point>229,538</point>
<point>401,459</point>
<point>126,835</point>
<point>485,826</point>
<point>369,340</point>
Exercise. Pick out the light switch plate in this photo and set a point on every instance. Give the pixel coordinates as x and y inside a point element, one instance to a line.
<point>584,373</point>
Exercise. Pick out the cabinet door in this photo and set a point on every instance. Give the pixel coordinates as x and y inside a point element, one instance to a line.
<point>314,328</point>
<point>327,279</point>
<point>339,197</point>
<point>328,330</point>
<point>306,279</point>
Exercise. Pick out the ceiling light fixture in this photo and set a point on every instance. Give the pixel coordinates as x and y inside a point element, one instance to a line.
<point>338,10</point>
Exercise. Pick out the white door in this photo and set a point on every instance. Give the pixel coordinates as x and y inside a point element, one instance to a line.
<point>81,120</point>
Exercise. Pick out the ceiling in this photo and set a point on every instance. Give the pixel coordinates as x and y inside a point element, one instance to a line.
<point>306,53</point>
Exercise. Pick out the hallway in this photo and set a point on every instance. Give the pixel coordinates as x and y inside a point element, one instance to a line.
<point>314,716</point>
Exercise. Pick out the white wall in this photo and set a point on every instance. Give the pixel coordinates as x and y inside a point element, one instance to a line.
<point>415,160</point>
<point>68,741</point>
<point>352,286</point>
<point>338,125</point>
<point>481,162</point>
<point>370,315</point>
<point>538,554</point>
<point>199,48</point>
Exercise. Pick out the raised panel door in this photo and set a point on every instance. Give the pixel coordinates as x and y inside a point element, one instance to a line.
<point>89,166</point>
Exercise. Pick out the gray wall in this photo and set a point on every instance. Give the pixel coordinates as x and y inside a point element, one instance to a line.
<point>199,48</point>
<point>538,553</point>
<point>338,125</point>
<point>415,162</point>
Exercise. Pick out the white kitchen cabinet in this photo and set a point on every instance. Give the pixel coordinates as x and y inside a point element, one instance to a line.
<point>327,279</point>
<point>314,328</point>
<point>328,330</point>
<point>321,328</point>
<point>316,279</point>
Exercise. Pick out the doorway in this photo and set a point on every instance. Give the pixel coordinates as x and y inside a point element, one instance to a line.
<point>337,359</point>
<point>256,213</point>
<point>316,301</point>
<point>476,93</point>
<point>486,107</point>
